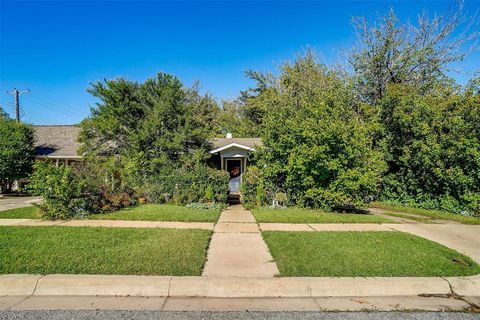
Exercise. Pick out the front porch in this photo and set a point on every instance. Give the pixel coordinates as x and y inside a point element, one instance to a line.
<point>231,154</point>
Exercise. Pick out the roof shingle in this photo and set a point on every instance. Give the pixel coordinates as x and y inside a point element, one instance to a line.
<point>57,141</point>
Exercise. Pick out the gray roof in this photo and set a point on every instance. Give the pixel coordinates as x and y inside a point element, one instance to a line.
<point>56,141</point>
<point>60,141</point>
<point>248,142</point>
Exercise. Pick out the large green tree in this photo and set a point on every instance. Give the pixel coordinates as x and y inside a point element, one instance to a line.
<point>432,147</point>
<point>16,151</point>
<point>318,139</point>
<point>149,126</point>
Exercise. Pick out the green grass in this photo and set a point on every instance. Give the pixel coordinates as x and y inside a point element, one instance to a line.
<point>21,213</point>
<point>161,212</point>
<point>79,250</point>
<point>432,214</point>
<point>364,254</point>
<point>297,215</point>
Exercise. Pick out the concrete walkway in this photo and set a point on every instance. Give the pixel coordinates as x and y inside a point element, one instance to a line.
<point>206,293</point>
<point>14,202</point>
<point>107,224</point>
<point>237,248</point>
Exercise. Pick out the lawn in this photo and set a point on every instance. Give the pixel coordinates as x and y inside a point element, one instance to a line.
<point>21,213</point>
<point>79,250</point>
<point>364,254</point>
<point>432,214</point>
<point>297,215</point>
<point>161,212</point>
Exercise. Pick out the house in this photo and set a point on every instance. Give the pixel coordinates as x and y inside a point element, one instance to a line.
<point>58,143</point>
<point>231,154</point>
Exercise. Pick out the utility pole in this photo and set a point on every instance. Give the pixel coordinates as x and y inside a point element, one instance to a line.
<point>17,93</point>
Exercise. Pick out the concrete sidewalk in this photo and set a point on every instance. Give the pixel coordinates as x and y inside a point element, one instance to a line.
<point>207,293</point>
<point>233,287</point>
<point>237,248</point>
<point>107,224</point>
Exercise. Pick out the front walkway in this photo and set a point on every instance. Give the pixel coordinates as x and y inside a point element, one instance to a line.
<point>237,248</point>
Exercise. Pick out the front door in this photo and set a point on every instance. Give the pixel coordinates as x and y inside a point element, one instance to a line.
<point>234,167</point>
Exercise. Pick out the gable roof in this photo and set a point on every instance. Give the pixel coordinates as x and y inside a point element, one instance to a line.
<point>56,141</point>
<point>247,142</point>
<point>220,144</point>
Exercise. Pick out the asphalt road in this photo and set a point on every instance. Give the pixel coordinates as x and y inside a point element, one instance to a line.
<point>166,315</point>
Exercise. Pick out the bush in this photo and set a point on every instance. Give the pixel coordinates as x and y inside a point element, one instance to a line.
<point>205,206</point>
<point>209,196</point>
<point>60,189</point>
<point>253,188</point>
<point>187,185</point>
<point>106,184</point>
<point>77,190</point>
<point>324,199</point>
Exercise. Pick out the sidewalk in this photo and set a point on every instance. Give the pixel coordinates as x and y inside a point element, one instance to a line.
<point>233,293</point>
<point>237,248</point>
<point>107,224</point>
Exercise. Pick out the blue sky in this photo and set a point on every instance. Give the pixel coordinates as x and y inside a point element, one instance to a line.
<point>56,49</point>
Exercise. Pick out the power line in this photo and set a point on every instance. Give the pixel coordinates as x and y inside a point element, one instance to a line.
<point>17,94</point>
<point>33,115</point>
<point>64,111</point>
<point>58,103</point>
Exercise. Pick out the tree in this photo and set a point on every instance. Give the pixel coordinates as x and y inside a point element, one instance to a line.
<point>16,151</point>
<point>152,125</point>
<point>432,148</point>
<point>318,146</point>
<point>390,52</point>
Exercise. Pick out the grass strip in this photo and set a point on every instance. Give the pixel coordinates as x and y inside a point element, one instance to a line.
<point>364,254</point>
<point>84,250</point>
<point>298,215</point>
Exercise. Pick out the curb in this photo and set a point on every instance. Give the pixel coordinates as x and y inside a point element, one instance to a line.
<point>206,287</point>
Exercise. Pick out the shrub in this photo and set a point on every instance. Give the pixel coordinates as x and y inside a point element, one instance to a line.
<point>209,196</point>
<point>106,184</point>
<point>205,206</point>
<point>60,189</point>
<point>324,199</point>
<point>253,188</point>
<point>187,185</point>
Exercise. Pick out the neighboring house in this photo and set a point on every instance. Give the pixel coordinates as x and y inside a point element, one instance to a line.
<point>59,143</point>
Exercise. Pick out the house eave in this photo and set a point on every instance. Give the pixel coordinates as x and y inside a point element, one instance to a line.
<point>232,145</point>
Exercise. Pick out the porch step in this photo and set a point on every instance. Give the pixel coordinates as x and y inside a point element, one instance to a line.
<point>233,198</point>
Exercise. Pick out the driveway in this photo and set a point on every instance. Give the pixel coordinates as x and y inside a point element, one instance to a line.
<point>14,202</point>
<point>461,237</point>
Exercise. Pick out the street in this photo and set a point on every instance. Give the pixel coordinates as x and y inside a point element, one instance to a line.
<point>167,315</point>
